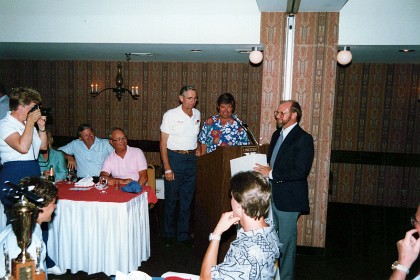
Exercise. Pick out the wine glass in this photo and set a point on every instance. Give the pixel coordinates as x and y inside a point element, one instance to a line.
<point>69,176</point>
<point>117,185</point>
<point>103,181</point>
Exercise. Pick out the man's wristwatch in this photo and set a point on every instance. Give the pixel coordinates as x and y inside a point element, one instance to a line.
<point>396,266</point>
<point>214,237</point>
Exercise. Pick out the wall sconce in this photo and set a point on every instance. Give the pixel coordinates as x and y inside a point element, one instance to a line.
<point>344,57</point>
<point>255,56</point>
<point>119,90</point>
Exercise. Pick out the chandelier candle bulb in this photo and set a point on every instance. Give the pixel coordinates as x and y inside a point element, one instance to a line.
<point>119,90</point>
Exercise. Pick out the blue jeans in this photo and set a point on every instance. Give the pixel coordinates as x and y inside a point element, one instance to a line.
<point>179,190</point>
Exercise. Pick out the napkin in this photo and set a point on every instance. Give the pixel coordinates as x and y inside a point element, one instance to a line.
<point>134,275</point>
<point>85,182</point>
<point>170,275</point>
<point>133,187</point>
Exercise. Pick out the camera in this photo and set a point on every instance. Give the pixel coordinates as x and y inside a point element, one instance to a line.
<point>44,111</point>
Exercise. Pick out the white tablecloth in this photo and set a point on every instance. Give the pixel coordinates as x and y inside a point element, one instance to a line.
<point>100,236</point>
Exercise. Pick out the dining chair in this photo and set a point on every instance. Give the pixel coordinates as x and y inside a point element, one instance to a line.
<point>151,182</point>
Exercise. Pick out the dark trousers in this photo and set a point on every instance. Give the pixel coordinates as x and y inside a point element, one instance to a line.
<point>179,190</point>
<point>286,223</point>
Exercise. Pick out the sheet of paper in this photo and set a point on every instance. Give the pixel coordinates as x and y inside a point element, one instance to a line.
<point>246,163</point>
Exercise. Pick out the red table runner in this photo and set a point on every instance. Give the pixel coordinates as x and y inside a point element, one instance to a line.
<point>111,195</point>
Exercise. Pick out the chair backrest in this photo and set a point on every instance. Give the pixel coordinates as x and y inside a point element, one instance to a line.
<point>151,176</point>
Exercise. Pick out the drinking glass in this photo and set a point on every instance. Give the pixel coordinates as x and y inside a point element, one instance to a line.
<point>103,181</point>
<point>69,176</point>
<point>117,185</point>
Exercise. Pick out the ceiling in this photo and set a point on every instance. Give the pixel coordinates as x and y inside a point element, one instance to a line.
<point>208,53</point>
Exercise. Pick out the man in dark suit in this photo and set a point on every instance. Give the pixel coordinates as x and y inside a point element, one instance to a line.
<point>291,154</point>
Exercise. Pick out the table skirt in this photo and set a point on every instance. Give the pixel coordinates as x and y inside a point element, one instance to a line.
<point>100,236</point>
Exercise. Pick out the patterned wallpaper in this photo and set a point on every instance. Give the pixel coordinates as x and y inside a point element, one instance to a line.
<point>373,106</point>
<point>314,71</point>
<point>377,111</point>
<point>65,85</point>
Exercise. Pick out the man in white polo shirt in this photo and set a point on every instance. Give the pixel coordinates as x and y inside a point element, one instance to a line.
<point>179,151</point>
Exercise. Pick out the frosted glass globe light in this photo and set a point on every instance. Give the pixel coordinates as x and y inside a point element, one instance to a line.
<point>344,57</point>
<point>255,56</point>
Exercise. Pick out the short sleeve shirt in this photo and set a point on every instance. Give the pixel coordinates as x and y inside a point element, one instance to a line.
<point>250,256</point>
<point>89,161</point>
<point>214,134</point>
<point>182,129</point>
<point>8,126</point>
<point>127,167</point>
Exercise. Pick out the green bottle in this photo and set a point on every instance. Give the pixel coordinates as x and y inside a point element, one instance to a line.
<point>51,177</point>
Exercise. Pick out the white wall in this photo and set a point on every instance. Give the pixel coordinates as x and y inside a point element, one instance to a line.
<point>380,22</point>
<point>130,21</point>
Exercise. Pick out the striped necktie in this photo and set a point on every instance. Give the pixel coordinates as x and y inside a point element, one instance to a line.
<point>276,150</point>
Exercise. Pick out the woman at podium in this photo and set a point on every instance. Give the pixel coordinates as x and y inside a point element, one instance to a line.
<point>223,129</point>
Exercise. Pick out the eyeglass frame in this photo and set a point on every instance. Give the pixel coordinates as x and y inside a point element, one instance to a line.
<point>413,220</point>
<point>276,113</point>
<point>119,139</point>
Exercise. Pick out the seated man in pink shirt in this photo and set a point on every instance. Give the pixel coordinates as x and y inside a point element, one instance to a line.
<point>126,163</point>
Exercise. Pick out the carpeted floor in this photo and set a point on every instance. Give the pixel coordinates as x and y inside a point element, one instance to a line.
<point>360,244</point>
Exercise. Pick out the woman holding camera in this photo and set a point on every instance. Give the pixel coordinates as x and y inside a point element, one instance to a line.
<point>20,141</point>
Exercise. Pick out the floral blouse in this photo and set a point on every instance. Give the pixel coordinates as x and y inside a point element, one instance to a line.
<point>213,134</point>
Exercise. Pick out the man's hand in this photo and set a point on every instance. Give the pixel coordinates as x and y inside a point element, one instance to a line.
<point>169,175</point>
<point>263,169</point>
<point>71,163</point>
<point>225,222</point>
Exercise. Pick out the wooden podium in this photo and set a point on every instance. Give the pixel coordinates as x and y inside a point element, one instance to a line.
<point>212,197</point>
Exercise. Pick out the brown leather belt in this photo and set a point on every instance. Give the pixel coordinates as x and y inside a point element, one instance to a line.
<point>184,152</point>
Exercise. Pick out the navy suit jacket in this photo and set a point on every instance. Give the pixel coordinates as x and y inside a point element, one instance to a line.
<point>291,169</point>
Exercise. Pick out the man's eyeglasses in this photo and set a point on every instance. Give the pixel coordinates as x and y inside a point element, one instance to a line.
<point>119,139</point>
<point>414,221</point>
<point>276,113</point>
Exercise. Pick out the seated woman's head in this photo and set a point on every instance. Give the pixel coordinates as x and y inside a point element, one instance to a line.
<point>252,191</point>
<point>45,190</point>
<point>50,139</point>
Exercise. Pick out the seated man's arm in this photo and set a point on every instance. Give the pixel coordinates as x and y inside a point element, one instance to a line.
<point>112,180</point>
<point>210,258</point>
<point>143,177</point>
<point>71,161</point>
<point>68,152</point>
